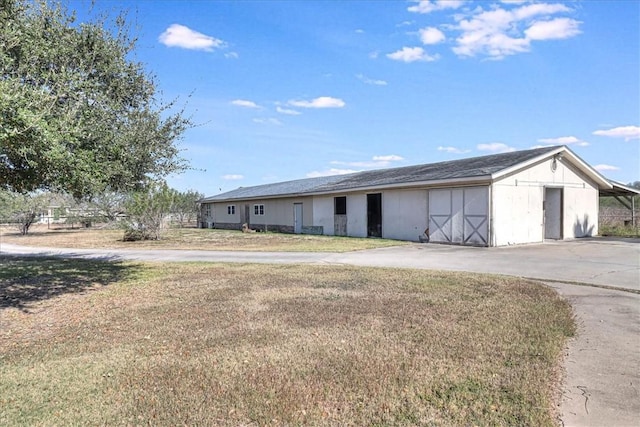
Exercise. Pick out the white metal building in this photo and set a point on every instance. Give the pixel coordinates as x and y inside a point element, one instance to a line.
<point>503,199</point>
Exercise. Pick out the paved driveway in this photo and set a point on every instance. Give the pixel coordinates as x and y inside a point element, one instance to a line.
<point>603,363</point>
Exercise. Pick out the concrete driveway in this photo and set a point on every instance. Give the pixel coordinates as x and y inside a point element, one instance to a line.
<point>602,380</point>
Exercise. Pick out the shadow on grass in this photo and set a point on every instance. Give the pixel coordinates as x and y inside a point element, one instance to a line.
<point>25,279</point>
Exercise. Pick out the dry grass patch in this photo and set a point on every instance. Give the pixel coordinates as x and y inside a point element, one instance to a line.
<point>195,239</point>
<point>216,344</point>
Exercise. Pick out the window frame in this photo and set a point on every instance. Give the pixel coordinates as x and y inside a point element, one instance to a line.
<point>231,209</point>
<point>258,209</point>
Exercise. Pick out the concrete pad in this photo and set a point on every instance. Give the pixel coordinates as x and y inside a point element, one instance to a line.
<point>599,261</point>
<point>602,368</point>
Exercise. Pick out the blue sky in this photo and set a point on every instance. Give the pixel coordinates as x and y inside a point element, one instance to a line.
<point>284,90</point>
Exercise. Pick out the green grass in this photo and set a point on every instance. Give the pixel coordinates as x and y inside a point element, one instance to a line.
<point>620,230</point>
<point>216,344</point>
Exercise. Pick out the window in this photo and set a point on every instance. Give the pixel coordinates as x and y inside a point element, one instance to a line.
<point>340,205</point>
<point>208,206</point>
<point>231,209</point>
<point>258,209</point>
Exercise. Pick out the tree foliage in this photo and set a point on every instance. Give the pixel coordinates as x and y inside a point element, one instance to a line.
<point>147,212</point>
<point>76,113</point>
<point>22,210</point>
<point>108,205</point>
<point>185,207</point>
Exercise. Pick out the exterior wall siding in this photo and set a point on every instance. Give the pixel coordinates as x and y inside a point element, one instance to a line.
<point>357,215</point>
<point>581,209</point>
<point>404,214</point>
<point>517,212</point>
<point>323,213</point>
<point>278,214</point>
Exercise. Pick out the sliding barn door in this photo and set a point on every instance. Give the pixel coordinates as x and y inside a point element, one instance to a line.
<point>459,215</point>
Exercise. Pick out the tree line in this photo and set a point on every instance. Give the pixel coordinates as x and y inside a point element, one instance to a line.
<point>142,215</point>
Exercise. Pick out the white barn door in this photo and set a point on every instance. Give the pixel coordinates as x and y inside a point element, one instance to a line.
<point>440,216</point>
<point>459,215</point>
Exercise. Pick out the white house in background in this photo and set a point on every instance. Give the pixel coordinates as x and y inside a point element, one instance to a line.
<point>496,200</point>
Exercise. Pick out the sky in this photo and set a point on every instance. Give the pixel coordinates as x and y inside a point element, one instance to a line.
<point>283,90</point>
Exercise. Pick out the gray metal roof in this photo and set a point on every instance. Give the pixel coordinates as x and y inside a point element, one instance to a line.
<point>450,170</point>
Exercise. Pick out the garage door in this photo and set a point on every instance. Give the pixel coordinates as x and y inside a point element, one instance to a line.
<point>459,215</point>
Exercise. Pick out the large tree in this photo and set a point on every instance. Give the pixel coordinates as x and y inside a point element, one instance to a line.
<point>77,113</point>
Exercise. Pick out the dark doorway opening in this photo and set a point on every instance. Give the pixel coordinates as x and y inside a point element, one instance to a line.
<point>374,215</point>
<point>246,218</point>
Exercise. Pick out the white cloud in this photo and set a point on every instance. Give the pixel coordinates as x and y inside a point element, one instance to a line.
<point>388,158</point>
<point>365,164</point>
<point>501,32</point>
<point>330,172</point>
<point>244,103</point>
<point>453,150</point>
<point>405,24</point>
<point>360,31</point>
<point>233,177</point>
<point>232,55</point>
<point>538,9</point>
<point>626,132</point>
<point>559,28</point>
<point>428,6</point>
<point>287,111</point>
<point>376,162</point>
<point>369,81</point>
<point>603,168</point>
<point>180,36</point>
<point>431,35</point>
<point>268,121</point>
<point>321,102</point>
<point>412,54</point>
<point>564,140</point>
<point>495,147</point>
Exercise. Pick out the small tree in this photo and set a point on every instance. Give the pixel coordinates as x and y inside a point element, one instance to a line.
<point>185,207</point>
<point>147,212</point>
<point>22,210</point>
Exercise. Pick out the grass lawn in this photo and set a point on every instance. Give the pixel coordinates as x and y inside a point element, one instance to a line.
<point>85,342</point>
<point>193,238</point>
<point>620,230</point>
